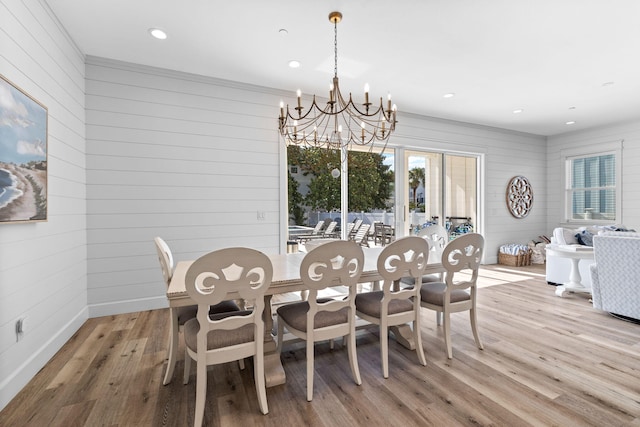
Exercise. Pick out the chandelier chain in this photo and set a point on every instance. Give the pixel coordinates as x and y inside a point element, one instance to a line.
<point>335,48</point>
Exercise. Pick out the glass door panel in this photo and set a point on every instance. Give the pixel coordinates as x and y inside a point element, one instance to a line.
<point>461,185</point>
<point>425,191</point>
<point>442,189</point>
<point>371,187</point>
<point>317,188</point>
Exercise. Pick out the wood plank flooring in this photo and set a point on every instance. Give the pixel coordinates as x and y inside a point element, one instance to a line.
<point>548,361</point>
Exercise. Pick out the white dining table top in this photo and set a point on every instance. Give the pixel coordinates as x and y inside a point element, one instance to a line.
<point>286,274</point>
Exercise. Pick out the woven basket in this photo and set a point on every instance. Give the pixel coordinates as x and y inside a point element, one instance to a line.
<point>523,258</point>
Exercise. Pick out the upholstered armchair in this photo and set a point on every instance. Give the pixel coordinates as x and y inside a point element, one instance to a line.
<point>615,276</point>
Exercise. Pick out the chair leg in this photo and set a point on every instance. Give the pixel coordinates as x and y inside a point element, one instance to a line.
<point>438,318</point>
<point>310,361</point>
<point>417,338</point>
<point>172,351</point>
<point>353,356</point>
<point>447,334</point>
<point>384,349</point>
<point>201,391</point>
<point>187,367</point>
<point>474,328</point>
<point>241,364</point>
<point>261,390</point>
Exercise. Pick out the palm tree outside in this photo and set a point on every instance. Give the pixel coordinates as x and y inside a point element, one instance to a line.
<point>416,177</point>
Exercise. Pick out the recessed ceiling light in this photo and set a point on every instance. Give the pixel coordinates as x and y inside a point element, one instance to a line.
<point>572,108</point>
<point>448,95</point>
<point>570,122</point>
<point>158,33</point>
<point>283,31</point>
<point>518,111</point>
<point>607,84</point>
<point>294,64</point>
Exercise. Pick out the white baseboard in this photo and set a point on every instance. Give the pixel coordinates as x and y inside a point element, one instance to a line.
<point>127,306</point>
<point>11,386</point>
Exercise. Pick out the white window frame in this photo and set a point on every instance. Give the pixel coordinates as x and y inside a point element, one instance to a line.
<point>594,150</point>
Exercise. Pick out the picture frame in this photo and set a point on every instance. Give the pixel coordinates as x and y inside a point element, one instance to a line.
<point>23,155</point>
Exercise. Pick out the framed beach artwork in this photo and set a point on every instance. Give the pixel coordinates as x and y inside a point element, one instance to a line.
<point>23,156</point>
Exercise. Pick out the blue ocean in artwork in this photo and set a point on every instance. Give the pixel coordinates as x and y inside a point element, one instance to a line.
<point>5,178</point>
<point>8,189</point>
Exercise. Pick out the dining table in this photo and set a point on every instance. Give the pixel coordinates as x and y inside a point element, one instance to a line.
<point>286,278</point>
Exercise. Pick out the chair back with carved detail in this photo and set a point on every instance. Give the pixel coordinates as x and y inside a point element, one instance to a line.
<point>336,263</point>
<point>396,305</point>
<point>221,275</point>
<point>461,260</point>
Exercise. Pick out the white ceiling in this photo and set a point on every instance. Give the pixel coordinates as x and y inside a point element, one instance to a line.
<point>550,58</point>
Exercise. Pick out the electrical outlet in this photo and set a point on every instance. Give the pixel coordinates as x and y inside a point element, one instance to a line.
<point>261,215</point>
<point>20,328</point>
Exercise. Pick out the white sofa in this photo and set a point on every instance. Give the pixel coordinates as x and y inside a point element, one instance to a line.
<point>558,267</point>
<point>616,273</point>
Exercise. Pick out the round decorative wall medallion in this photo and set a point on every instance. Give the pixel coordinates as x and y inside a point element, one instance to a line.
<point>519,196</point>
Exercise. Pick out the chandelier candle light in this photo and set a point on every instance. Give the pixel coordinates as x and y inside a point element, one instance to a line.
<point>340,123</point>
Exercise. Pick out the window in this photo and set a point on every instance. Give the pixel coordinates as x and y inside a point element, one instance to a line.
<point>593,187</point>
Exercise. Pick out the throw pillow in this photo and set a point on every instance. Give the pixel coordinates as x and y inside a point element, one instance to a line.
<point>585,238</point>
<point>568,236</point>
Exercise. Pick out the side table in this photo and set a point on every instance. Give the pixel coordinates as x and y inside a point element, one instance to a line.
<point>575,253</point>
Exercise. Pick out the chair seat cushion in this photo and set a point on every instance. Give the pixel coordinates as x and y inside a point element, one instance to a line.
<point>428,278</point>
<point>295,315</point>
<point>219,338</point>
<point>186,313</point>
<point>224,307</point>
<point>190,312</point>
<point>433,293</point>
<point>369,303</point>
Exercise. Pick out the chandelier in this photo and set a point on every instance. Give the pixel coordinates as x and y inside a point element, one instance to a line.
<point>340,122</point>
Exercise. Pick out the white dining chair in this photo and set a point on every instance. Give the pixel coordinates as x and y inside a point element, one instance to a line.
<point>337,263</point>
<point>225,337</point>
<point>178,316</point>
<point>461,261</point>
<point>436,235</point>
<point>395,305</point>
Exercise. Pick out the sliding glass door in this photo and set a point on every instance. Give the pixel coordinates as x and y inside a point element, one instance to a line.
<point>322,186</point>
<point>442,189</point>
<point>405,190</point>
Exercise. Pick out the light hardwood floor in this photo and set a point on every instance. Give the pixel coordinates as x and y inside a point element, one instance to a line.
<point>548,361</point>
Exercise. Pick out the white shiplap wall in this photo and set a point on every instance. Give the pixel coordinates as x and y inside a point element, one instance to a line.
<point>629,132</point>
<point>184,157</point>
<point>193,159</point>
<point>43,265</point>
